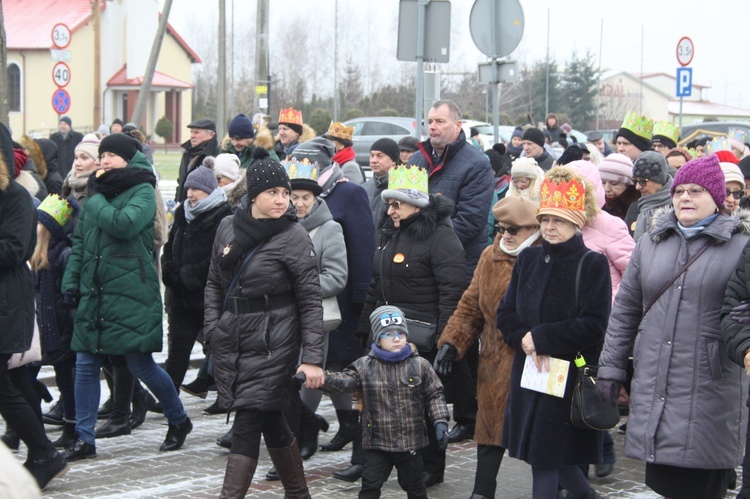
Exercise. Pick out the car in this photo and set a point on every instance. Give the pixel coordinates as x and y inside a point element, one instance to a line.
<point>609,135</point>
<point>369,129</point>
<point>712,129</point>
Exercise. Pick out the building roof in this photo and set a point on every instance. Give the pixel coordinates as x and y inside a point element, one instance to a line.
<point>29,23</point>
<point>705,108</point>
<point>647,76</point>
<point>161,80</point>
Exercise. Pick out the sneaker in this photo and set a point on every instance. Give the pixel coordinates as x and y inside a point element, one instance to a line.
<point>176,435</point>
<point>79,450</point>
<point>51,465</point>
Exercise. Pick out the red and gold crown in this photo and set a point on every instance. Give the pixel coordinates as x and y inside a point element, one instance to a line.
<point>290,115</point>
<point>563,196</point>
<point>338,130</point>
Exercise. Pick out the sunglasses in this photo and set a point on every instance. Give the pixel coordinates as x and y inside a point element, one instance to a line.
<point>396,205</point>
<point>641,181</point>
<point>734,194</point>
<point>513,231</point>
<point>391,335</point>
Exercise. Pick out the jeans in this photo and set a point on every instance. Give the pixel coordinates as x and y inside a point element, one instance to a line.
<point>88,390</point>
<point>378,468</point>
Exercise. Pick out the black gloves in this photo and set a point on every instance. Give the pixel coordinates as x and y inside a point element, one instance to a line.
<point>441,434</point>
<point>444,360</point>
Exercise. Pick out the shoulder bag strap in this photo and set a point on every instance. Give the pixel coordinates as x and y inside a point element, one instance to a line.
<point>237,276</point>
<point>671,281</point>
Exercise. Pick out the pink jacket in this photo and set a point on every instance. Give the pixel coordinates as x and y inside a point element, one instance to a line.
<point>606,233</point>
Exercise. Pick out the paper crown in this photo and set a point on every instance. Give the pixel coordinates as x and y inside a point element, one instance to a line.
<point>668,130</point>
<point>301,169</point>
<point>737,134</point>
<point>290,115</point>
<point>56,208</point>
<point>407,178</point>
<point>565,195</point>
<point>639,125</point>
<point>338,130</point>
<point>720,144</point>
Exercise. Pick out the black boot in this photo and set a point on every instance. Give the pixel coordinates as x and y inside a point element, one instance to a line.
<point>68,436</point>
<point>348,424</point>
<point>55,414</point>
<point>199,387</point>
<point>215,408</point>
<point>142,401</point>
<point>354,472</point>
<point>46,464</point>
<point>350,474</point>
<point>308,436</point>
<point>119,421</point>
<point>226,440</point>
<point>79,450</point>
<point>238,476</point>
<point>10,438</point>
<point>176,435</point>
<point>288,463</point>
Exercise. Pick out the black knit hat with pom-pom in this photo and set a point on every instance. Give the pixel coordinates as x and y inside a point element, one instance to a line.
<point>265,173</point>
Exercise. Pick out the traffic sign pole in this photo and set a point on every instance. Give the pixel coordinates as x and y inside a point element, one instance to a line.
<point>685,52</point>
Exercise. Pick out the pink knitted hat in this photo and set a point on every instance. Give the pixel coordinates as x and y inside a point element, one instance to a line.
<point>705,172</point>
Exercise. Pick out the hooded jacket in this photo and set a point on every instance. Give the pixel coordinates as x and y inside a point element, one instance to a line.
<point>686,397</point>
<point>418,266</point>
<point>464,175</point>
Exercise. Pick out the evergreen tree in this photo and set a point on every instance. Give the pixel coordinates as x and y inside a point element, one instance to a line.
<point>579,87</point>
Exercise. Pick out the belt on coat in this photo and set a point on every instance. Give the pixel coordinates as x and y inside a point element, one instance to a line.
<point>242,305</point>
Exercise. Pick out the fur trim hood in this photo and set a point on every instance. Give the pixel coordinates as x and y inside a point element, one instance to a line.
<point>307,134</point>
<point>566,174</point>
<point>263,138</point>
<point>663,222</point>
<point>426,220</point>
<point>4,174</point>
<point>34,150</point>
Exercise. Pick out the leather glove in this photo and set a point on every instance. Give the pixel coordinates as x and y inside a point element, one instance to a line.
<point>70,298</point>
<point>444,360</point>
<point>741,313</point>
<point>441,434</point>
<point>608,390</point>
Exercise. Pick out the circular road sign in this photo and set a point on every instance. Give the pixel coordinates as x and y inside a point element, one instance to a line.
<point>61,36</point>
<point>61,101</point>
<point>61,74</point>
<point>506,17</point>
<point>685,51</point>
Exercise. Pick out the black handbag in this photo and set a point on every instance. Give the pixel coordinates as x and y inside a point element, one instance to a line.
<point>587,409</point>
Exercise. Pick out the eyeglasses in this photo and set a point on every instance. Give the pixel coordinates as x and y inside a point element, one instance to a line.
<point>396,205</point>
<point>391,319</point>
<point>694,192</point>
<point>734,194</point>
<point>391,335</point>
<point>513,231</point>
<point>641,181</point>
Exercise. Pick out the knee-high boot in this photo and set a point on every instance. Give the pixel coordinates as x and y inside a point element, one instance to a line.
<point>288,464</point>
<point>119,421</point>
<point>239,475</point>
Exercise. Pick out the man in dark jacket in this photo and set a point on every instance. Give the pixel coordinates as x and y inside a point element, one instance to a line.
<point>202,143</point>
<point>18,220</point>
<point>66,139</point>
<point>384,155</point>
<point>463,174</point>
<point>533,146</point>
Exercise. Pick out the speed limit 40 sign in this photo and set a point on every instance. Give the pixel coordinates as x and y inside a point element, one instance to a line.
<point>61,74</point>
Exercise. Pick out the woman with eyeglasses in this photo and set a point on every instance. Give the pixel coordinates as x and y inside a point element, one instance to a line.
<point>616,172</point>
<point>549,312</point>
<point>419,265</point>
<point>735,183</point>
<point>525,179</point>
<point>686,398</point>
<point>517,229</point>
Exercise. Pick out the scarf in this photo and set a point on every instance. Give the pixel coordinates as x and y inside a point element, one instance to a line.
<point>528,242</point>
<point>514,151</point>
<point>696,229</point>
<point>647,205</point>
<point>249,232</point>
<point>114,182</point>
<point>216,198</point>
<point>344,156</point>
<point>392,357</point>
<point>502,183</point>
<point>76,184</point>
<point>328,179</point>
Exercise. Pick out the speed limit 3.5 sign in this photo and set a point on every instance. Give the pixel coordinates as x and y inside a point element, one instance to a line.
<point>685,51</point>
<point>61,36</point>
<point>61,74</point>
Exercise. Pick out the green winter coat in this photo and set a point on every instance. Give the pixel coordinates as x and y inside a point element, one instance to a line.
<point>246,157</point>
<point>111,264</point>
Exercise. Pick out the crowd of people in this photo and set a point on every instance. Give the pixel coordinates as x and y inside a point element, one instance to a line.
<point>442,278</point>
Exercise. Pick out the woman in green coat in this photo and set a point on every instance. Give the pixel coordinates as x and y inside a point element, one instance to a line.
<point>112,278</point>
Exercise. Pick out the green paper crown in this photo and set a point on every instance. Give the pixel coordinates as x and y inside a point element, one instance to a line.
<point>668,130</point>
<point>639,125</point>
<point>408,177</point>
<point>57,208</point>
<point>716,145</point>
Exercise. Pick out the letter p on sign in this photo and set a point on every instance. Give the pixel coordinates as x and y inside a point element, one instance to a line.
<point>684,82</point>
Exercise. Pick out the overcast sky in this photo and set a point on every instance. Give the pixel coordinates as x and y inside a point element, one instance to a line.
<point>718,30</point>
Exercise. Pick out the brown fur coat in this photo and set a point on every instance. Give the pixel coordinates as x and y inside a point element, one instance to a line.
<point>475,317</point>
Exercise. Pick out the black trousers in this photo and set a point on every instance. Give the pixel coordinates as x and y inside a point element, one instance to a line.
<point>378,467</point>
<point>489,458</point>
<point>18,413</point>
<point>184,326</point>
<point>745,490</point>
<point>250,424</point>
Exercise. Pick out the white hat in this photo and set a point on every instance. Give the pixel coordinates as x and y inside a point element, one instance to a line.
<point>524,167</point>
<point>616,168</point>
<point>732,173</point>
<point>227,165</point>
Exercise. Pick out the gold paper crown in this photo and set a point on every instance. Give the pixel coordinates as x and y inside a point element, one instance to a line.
<point>290,115</point>
<point>408,177</point>
<point>639,125</point>
<point>716,145</point>
<point>668,130</point>
<point>338,130</point>
<point>565,195</point>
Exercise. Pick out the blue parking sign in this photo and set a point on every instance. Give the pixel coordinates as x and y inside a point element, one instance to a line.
<point>684,82</point>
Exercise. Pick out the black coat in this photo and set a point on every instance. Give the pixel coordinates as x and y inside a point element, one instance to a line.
<point>430,278</point>
<point>541,299</point>
<point>192,159</point>
<point>187,256</point>
<point>66,150</point>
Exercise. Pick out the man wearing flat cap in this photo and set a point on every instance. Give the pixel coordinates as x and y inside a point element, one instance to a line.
<point>596,139</point>
<point>202,143</point>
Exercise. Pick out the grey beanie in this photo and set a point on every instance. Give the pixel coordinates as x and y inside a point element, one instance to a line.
<point>651,165</point>
<point>387,318</point>
<point>203,178</point>
<point>317,150</point>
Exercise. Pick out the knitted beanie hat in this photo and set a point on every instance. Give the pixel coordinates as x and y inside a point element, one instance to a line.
<point>55,213</point>
<point>227,165</point>
<point>705,172</point>
<point>726,157</point>
<point>387,146</point>
<point>203,178</point>
<point>66,120</point>
<point>524,167</point>
<point>318,150</point>
<point>534,135</point>
<point>616,168</point>
<point>732,173</point>
<point>90,145</point>
<point>745,166</point>
<point>123,145</point>
<point>517,132</point>
<point>241,127</point>
<point>387,318</point>
<point>265,173</point>
<point>651,165</point>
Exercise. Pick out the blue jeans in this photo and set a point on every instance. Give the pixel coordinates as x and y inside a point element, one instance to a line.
<point>88,390</point>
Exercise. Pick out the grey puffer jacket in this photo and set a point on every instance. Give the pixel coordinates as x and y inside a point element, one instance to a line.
<point>686,397</point>
<point>330,249</point>
<point>255,354</point>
